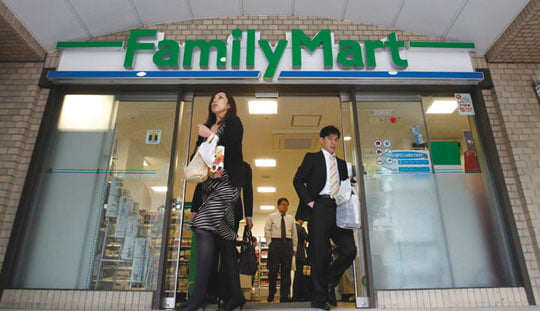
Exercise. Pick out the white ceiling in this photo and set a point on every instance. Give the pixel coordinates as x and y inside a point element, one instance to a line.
<point>478,21</point>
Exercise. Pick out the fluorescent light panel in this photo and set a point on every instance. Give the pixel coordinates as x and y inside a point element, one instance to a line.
<point>262,106</point>
<point>266,189</point>
<point>267,207</point>
<point>347,138</point>
<point>442,106</point>
<point>86,113</point>
<point>159,188</point>
<point>265,162</point>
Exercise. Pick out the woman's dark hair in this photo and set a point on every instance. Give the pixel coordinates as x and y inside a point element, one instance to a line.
<point>230,113</point>
<point>281,200</point>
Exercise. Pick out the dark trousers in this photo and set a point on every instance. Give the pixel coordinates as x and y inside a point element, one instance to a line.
<point>301,284</point>
<point>280,258</point>
<point>322,228</point>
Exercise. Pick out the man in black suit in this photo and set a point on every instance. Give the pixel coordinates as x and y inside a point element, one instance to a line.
<point>245,209</point>
<point>317,183</point>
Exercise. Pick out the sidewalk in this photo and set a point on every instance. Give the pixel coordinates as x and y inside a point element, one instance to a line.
<point>305,307</point>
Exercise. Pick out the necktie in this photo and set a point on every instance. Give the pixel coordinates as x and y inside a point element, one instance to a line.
<point>283,228</point>
<point>334,183</point>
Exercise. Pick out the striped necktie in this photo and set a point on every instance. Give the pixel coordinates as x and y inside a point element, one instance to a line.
<point>334,183</point>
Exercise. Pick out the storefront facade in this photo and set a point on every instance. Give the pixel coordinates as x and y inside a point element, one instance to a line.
<point>503,128</point>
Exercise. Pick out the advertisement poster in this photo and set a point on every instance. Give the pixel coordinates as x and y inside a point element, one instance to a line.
<point>132,227</point>
<point>123,216</point>
<point>407,161</point>
<point>465,105</point>
<point>128,248</point>
<point>139,256</point>
<point>115,192</point>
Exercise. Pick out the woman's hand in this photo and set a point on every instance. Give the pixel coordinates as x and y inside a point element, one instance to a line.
<point>203,130</point>
<point>249,223</point>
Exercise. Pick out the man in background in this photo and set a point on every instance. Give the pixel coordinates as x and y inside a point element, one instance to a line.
<point>281,236</point>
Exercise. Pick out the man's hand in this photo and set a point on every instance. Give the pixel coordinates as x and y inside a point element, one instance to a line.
<point>311,204</point>
<point>249,223</point>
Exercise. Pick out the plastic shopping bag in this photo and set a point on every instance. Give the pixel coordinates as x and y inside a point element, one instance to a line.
<point>348,213</point>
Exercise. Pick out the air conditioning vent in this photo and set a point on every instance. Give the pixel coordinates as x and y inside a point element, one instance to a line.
<point>297,143</point>
<point>293,141</point>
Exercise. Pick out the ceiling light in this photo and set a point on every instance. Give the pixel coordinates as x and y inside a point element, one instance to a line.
<point>265,163</point>
<point>86,113</point>
<point>347,138</point>
<point>267,207</point>
<point>442,106</point>
<point>262,106</point>
<point>266,189</point>
<point>159,188</point>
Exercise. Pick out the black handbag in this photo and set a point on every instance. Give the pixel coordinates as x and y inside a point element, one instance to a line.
<point>248,259</point>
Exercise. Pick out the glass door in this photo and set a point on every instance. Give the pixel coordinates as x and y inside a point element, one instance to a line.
<point>358,274</point>
<point>434,217</point>
<point>97,215</point>
<point>178,271</point>
<point>274,145</point>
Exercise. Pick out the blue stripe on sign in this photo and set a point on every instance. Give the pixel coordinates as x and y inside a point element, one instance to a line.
<point>414,169</point>
<point>413,162</point>
<point>155,74</point>
<point>380,74</point>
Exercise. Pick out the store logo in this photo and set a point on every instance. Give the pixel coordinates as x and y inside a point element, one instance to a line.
<point>153,137</point>
<point>170,54</point>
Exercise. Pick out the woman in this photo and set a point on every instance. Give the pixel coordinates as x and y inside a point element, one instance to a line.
<point>213,220</point>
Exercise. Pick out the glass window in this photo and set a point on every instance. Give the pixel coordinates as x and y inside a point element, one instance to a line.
<point>434,219</point>
<point>97,215</point>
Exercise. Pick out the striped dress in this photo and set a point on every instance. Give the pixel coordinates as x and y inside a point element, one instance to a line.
<point>216,213</point>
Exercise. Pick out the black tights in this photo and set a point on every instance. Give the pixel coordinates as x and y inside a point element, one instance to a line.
<point>207,244</point>
<point>229,277</point>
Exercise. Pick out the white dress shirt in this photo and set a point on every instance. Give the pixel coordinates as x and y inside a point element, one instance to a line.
<point>272,228</point>
<point>327,158</point>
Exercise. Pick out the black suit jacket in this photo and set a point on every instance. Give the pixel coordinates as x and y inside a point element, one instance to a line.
<point>310,179</point>
<point>301,254</point>
<point>247,197</point>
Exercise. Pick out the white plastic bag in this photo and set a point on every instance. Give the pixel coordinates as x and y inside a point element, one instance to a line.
<point>207,150</point>
<point>345,191</point>
<point>197,169</point>
<point>348,213</point>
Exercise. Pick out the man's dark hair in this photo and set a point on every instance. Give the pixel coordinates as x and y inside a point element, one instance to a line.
<point>281,200</point>
<point>328,130</point>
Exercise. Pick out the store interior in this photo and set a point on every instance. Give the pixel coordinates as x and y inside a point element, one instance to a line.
<point>274,144</point>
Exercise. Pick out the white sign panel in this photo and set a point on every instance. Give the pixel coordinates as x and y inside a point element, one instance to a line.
<point>465,105</point>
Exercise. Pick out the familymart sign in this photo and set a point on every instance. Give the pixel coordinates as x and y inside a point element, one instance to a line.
<point>147,56</point>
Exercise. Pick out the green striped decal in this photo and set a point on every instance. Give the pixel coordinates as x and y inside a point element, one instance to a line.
<point>90,44</point>
<point>452,45</point>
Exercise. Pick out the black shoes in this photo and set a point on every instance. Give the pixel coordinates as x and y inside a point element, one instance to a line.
<point>319,305</point>
<point>270,298</point>
<point>332,295</point>
<point>285,299</point>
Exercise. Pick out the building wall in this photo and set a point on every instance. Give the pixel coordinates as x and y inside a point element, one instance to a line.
<point>512,107</point>
<point>515,118</point>
<point>21,108</point>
